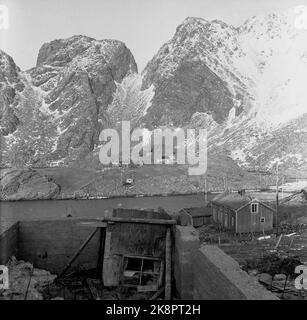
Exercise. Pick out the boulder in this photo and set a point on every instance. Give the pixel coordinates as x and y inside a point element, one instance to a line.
<point>253,272</point>
<point>265,278</point>
<point>280,277</point>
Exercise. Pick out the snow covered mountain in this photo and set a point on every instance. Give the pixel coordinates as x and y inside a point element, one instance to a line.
<point>250,80</point>
<point>246,85</point>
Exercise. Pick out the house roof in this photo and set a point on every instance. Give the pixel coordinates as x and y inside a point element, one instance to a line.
<point>235,201</point>
<point>199,211</point>
<point>232,200</point>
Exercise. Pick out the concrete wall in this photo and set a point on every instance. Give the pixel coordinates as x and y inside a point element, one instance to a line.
<point>218,277</point>
<point>207,273</point>
<point>8,243</point>
<point>50,244</point>
<point>186,246</point>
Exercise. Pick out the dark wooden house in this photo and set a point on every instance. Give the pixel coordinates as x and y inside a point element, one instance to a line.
<point>242,214</point>
<point>196,216</point>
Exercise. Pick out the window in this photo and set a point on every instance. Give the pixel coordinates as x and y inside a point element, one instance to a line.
<point>142,272</point>
<point>254,207</point>
<point>262,220</point>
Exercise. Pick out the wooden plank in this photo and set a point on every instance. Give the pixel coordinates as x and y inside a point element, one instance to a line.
<point>136,239</point>
<point>101,253</point>
<point>78,253</point>
<point>157,237</point>
<point>93,290</point>
<point>160,281</point>
<point>112,270</point>
<point>157,294</point>
<point>141,257</point>
<point>278,242</point>
<point>147,288</point>
<point>96,224</point>
<point>168,265</point>
<point>107,244</point>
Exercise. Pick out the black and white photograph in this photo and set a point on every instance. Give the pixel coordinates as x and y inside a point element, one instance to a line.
<point>153,150</point>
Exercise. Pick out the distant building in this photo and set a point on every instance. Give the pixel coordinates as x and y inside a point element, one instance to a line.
<point>241,214</point>
<point>196,216</point>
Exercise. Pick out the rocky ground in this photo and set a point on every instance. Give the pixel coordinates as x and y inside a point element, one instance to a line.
<point>276,273</point>
<point>29,283</point>
<point>85,286</point>
<point>26,282</point>
<point>262,259</point>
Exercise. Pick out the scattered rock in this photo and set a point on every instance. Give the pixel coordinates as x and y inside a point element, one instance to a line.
<point>26,281</point>
<point>280,277</point>
<point>253,272</point>
<point>265,278</point>
<point>289,296</point>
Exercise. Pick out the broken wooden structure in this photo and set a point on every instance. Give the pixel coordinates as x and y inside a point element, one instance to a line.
<point>134,250</point>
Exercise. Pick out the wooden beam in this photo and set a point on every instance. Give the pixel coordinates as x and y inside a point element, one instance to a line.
<point>147,288</point>
<point>157,294</point>
<point>278,242</point>
<point>141,257</point>
<point>139,220</point>
<point>93,289</point>
<point>95,224</point>
<point>168,265</point>
<point>76,255</point>
<point>101,253</point>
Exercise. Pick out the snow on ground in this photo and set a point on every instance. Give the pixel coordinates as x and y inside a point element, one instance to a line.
<point>294,186</point>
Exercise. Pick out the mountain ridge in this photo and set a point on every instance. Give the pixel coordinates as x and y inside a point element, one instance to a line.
<point>244,84</point>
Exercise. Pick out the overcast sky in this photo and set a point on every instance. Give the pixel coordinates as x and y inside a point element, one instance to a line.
<point>144,25</point>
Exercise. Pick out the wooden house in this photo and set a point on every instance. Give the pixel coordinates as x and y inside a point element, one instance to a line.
<point>196,216</point>
<point>242,214</point>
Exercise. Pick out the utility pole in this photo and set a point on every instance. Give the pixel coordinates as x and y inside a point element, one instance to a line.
<point>277,200</point>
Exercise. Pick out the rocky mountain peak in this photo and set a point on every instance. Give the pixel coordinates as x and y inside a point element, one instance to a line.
<point>247,80</point>
<point>11,85</point>
<point>64,106</point>
<point>245,85</point>
<point>277,24</point>
<point>8,69</point>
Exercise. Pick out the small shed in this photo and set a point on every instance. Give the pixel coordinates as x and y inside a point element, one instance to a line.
<point>196,216</point>
<point>241,213</point>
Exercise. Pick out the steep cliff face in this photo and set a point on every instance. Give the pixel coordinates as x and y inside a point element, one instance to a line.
<point>64,103</point>
<point>246,85</point>
<point>10,86</point>
<point>185,78</point>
